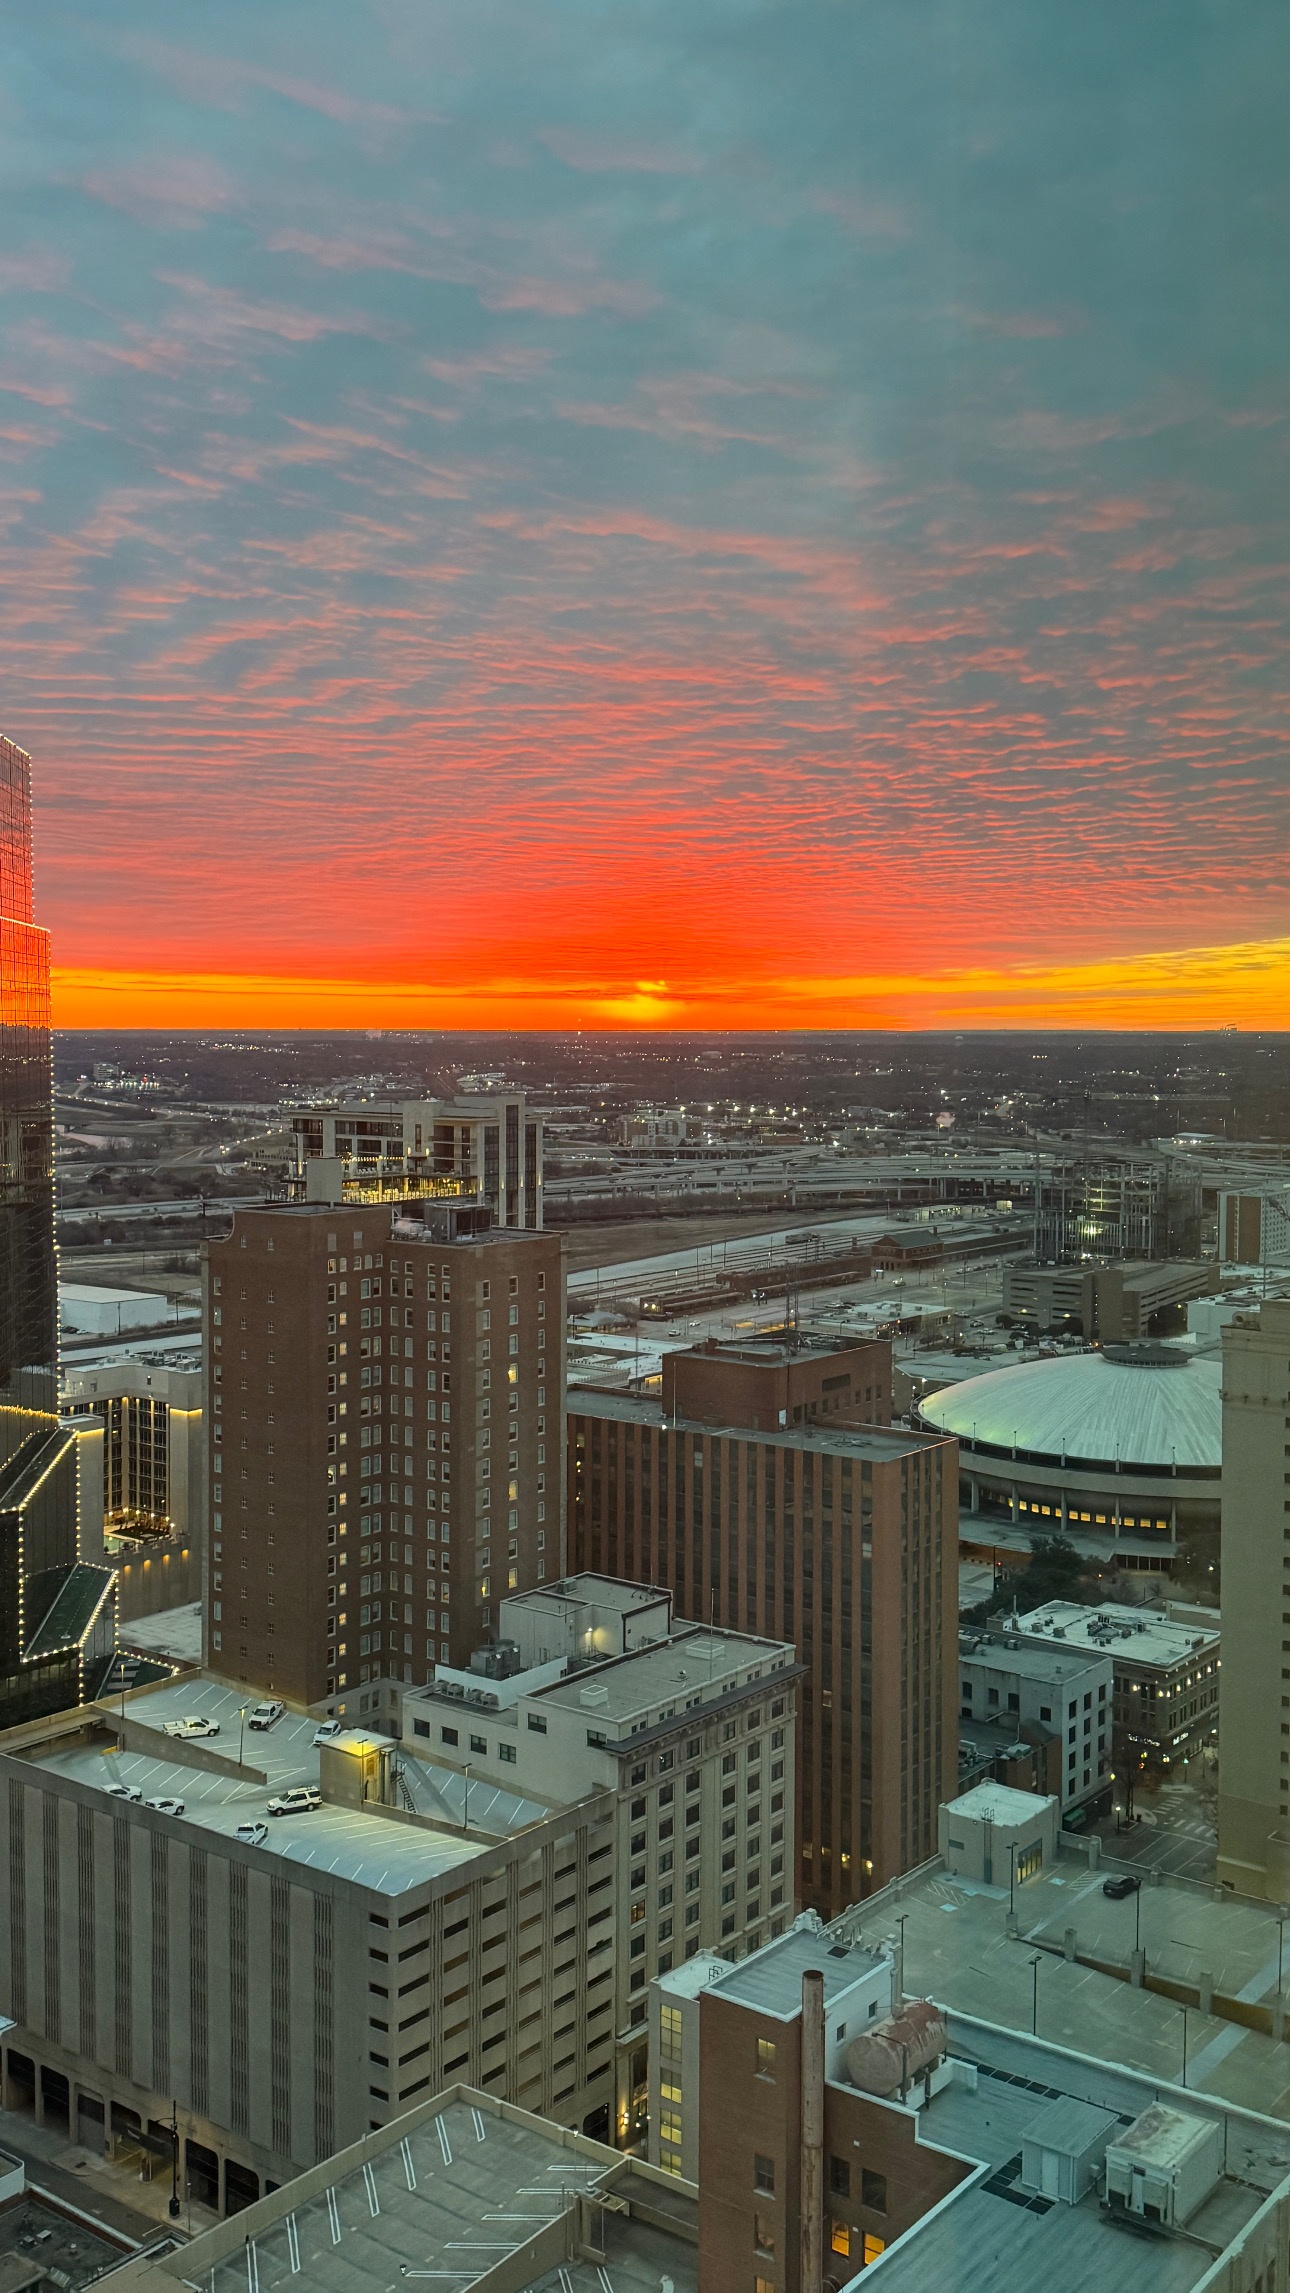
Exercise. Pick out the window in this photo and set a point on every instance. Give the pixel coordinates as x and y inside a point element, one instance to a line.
<point>763,2233</point>
<point>764,2174</point>
<point>840,2176</point>
<point>449,1735</point>
<point>873,2191</point>
<point>839,2237</point>
<point>765,2058</point>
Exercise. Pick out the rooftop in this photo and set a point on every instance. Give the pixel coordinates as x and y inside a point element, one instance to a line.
<point>992,2231</point>
<point>611,1592</point>
<point>876,1442</point>
<point>452,2192</point>
<point>669,1673</point>
<point>1027,1663</point>
<point>998,1803</point>
<point>771,1979</point>
<point>1115,1629</point>
<point>382,1856</point>
<point>1157,1406</point>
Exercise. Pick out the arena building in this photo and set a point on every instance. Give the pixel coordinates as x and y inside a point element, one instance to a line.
<point>1124,1444</point>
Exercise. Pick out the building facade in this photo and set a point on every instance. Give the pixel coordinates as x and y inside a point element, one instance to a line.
<point>1118,1305</point>
<point>1166,1674</point>
<point>55,1609</point>
<point>845,1543</point>
<point>692,1733</point>
<point>1254,1774</point>
<point>384,1441</point>
<point>1047,1693</point>
<point>766,1384</point>
<point>288,1989</point>
<point>487,1150</point>
<point>154,1464</point>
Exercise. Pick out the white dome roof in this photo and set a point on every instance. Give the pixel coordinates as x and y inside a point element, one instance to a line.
<point>1160,1408</point>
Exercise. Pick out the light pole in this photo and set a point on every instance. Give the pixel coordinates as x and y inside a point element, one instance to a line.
<point>241,1732</point>
<point>901,1921</point>
<point>1137,1917</point>
<point>465,1804</point>
<point>1184,2065</point>
<point>1012,1876</point>
<point>174,2161</point>
<point>1282,1915</point>
<point>1034,1994</point>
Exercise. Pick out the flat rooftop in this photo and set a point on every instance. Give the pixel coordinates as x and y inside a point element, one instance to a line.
<point>880,1442</point>
<point>771,1979</point>
<point>383,1856</point>
<point>1053,1662</point>
<point>588,1591</point>
<point>993,2232</point>
<point>689,1668</point>
<point>449,2193</point>
<point>1130,1635</point>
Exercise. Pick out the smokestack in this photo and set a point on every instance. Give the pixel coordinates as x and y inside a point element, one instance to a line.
<point>812,2131</point>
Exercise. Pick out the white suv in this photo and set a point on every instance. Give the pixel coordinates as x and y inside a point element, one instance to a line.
<point>302,1799</point>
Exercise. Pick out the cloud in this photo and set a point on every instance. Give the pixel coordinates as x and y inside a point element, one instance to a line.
<point>609,155</point>
<point>180,190</point>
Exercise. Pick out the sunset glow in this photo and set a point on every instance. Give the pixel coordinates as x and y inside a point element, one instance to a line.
<point>665,530</point>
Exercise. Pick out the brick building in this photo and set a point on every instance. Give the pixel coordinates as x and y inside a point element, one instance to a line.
<point>764,1384</point>
<point>380,1387</point>
<point>844,1542</point>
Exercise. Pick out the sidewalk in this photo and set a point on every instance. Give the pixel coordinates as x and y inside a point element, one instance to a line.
<point>113,2194</point>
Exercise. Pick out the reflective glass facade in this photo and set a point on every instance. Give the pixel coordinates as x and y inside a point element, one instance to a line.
<point>53,1610</point>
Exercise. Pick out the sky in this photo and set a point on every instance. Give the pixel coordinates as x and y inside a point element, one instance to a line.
<point>650,512</point>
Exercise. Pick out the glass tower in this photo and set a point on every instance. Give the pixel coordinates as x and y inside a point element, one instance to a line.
<point>56,1612</point>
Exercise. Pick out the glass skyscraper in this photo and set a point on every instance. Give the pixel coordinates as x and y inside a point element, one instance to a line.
<point>56,1610</point>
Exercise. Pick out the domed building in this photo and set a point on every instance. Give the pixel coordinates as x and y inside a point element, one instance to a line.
<point>1125,1443</point>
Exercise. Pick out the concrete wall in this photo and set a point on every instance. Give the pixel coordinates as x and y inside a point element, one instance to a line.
<point>1254,1775</point>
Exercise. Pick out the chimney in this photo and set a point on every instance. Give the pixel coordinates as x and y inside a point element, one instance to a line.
<point>812,2131</point>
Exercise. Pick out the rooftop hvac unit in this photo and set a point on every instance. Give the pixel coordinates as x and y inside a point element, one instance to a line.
<point>1164,2166</point>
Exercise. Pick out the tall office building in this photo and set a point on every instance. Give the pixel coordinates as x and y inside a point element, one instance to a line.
<point>384,1435</point>
<point>1254,1684</point>
<point>844,1541</point>
<point>486,1149</point>
<point>55,1612</point>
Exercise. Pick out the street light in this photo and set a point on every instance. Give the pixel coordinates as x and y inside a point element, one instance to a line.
<point>1184,2065</point>
<point>1282,1915</point>
<point>174,2161</point>
<point>241,1732</point>
<point>1034,1994</point>
<point>1012,1876</point>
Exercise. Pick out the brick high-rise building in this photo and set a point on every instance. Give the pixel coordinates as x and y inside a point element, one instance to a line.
<point>763,1383</point>
<point>843,1541</point>
<point>380,1389</point>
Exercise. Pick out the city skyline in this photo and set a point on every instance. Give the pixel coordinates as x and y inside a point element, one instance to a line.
<point>750,519</point>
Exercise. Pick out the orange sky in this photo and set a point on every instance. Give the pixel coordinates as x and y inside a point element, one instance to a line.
<point>1246,985</point>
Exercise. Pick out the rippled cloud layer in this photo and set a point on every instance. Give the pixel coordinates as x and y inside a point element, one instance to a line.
<point>681,510</point>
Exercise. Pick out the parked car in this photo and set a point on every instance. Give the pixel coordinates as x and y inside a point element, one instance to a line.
<point>1117,1889</point>
<point>252,1834</point>
<point>124,1791</point>
<point>302,1799</point>
<point>193,1725</point>
<point>265,1715</point>
<point>328,1729</point>
<point>166,1806</point>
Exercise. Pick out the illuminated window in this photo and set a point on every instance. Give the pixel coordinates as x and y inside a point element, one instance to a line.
<point>873,2246</point>
<point>765,2058</point>
<point>840,2237</point>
